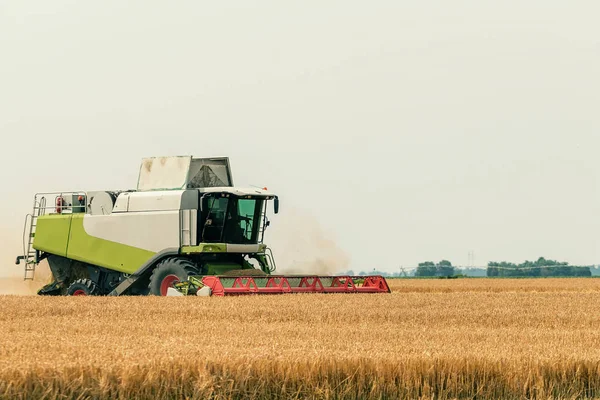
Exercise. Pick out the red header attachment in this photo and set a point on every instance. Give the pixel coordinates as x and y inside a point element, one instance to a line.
<point>279,284</point>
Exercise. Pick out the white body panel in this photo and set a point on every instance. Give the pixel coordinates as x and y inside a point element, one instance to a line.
<point>167,200</point>
<point>155,201</point>
<point>158,173</point>
<point>238,191</point>
<point>122,203</point>
<point>152,231</point>
<point>189,227</point>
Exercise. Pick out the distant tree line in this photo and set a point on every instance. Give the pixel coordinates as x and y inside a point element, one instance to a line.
<point>540,268</point>
<point>443,268</point>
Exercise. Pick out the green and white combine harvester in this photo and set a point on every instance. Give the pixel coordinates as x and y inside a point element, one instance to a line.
<point>185,230</point>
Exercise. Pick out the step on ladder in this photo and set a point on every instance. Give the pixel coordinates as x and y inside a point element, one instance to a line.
<point>30,255</point>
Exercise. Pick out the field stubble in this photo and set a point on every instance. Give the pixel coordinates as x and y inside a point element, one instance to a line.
<point>501,338</point>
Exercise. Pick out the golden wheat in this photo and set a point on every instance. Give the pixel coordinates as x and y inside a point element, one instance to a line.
<point>429,338</point>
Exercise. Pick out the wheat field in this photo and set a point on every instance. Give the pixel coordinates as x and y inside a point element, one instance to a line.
<point>457,338</point>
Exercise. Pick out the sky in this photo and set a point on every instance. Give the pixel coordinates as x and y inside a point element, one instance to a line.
<point>394,132</point>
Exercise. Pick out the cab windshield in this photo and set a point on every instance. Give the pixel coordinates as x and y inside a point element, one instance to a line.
<point>231,220</point>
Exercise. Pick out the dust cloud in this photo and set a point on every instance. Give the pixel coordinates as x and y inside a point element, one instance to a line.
<point>11,275</point>
<point>301,246</point>
<point>16,285</point>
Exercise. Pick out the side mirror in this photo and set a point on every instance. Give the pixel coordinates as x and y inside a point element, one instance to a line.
<point>276,204</point>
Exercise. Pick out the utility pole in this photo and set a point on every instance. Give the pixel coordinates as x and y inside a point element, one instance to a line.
<point>471,261</point>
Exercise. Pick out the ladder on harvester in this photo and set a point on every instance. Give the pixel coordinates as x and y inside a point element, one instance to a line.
<point>264,223</point>
<point>30,255</point>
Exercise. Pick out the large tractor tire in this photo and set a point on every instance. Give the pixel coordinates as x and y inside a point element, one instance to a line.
<point>83,287</point>
<point>169,271</point>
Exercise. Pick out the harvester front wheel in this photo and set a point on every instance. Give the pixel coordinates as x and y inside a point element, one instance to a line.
<point>167,272</point>
<point>82,287</point>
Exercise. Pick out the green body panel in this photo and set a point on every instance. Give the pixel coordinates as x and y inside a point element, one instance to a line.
<point>104,253</point>
<point>205,248</point>
<point>52,234</point>
<point>64,235</point>
<point>213,248</point>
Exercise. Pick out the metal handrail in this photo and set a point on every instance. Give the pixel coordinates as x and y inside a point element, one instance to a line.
<point>27,218</point>
<point>30,255</point>
<point>40,206</point>
<point>270,259</point>
<point>42,210</point>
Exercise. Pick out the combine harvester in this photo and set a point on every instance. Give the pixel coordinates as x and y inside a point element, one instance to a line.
<point>185,230</point>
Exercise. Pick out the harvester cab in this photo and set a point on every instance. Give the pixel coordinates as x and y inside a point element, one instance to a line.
<point>185,229</point>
